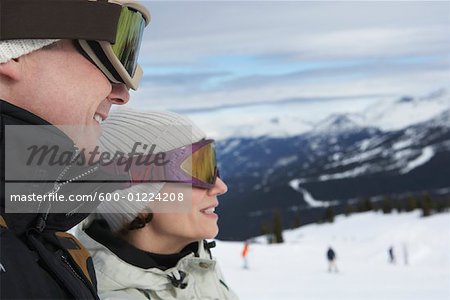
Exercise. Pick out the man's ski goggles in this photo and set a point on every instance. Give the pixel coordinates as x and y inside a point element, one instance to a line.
<point>194,164</point>
<point>109,32</point>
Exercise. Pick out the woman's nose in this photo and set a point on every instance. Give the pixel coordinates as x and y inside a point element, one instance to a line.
<point>219,188</point>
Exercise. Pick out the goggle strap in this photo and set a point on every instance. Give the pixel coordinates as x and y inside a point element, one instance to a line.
<point>55,19</point>
<point>105,62</point>
<point>147,174</point>
<point>82,51</point>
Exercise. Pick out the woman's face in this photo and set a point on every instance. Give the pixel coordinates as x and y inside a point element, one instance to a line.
<point>197,224</point>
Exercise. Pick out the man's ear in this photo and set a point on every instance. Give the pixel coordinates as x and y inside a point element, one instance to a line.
<point>11,69</point>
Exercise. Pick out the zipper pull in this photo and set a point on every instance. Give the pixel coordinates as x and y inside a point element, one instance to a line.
<point>55,189</point>
<point>40,223</point>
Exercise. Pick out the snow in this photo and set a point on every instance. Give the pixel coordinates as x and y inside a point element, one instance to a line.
<point>350,173</point>
<point>297,270</point>
<point>427,154</point>
<point>404,154</point>
<point>336,123</point>
<point>397,114</point>
<point>358,158</point>
<point>284,161</point>
<point>230,146</point>
<point>309,199</point>
<point>403,144</point>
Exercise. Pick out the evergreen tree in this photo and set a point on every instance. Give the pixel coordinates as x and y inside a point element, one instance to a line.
<point>365,204</point>
<point>411,203</point>
<point>277,228</point>
<point>426,205</point>
<point>440,205</point>
<point>329,214</point>
<point>368,204</point>
<point>349,209</point>
<point>386,207</point>
<point>399,204</point>
<point>443,204</point>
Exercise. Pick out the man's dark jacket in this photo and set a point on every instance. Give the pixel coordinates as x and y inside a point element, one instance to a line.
<point>39,260</point>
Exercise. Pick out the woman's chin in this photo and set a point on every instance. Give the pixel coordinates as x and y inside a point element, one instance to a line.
<point>212,234</point>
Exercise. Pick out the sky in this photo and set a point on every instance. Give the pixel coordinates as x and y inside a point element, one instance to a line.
<point>208,58</point>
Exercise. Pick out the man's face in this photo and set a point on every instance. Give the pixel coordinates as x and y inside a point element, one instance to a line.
<point>66,89</point>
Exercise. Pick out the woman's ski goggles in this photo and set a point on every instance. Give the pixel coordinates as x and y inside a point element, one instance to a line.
<point>194,164</point>
<point>108,32</point>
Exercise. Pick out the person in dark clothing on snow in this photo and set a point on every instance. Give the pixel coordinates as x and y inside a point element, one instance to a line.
<point>391,255</point>
<point>72,77</point>
<point>331,257</point>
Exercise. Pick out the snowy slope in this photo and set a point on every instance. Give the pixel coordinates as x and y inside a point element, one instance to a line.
<point>297,269</point>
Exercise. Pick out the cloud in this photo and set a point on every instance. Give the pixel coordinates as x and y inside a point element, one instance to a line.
<point>274,104</point>
<point>207,55</point>
<point>182,78</point>
<point>161,97</point>
<point>347,70</point>
<point>182,33</point>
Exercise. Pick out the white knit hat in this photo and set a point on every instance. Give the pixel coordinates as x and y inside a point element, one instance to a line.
<point>121,130</point>
<point>11,49</point>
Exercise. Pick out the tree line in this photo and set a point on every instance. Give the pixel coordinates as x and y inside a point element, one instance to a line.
<point>427,204</point>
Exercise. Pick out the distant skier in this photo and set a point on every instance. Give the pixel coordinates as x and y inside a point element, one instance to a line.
<point>391,255</point>
<point>244,254</point>
<point>331,256</point>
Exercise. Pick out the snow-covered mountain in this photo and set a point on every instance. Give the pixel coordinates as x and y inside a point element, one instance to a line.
<point>337,123</point>
<point>406,111</point>
<point>304,116</point>
<point>297,269</point>
<point>342,159</point>
<point>398,152</point>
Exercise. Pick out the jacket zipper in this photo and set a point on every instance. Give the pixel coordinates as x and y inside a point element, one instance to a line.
<point>57,186</point>
<point>87,283</point>
<point>84,174</point>
<point>66,262</point>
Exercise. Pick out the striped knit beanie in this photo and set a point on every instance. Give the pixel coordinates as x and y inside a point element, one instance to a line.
<point>11,49</point>
<point>121,130</point>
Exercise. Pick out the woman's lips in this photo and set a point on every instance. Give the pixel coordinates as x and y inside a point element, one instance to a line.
<point>210,211</point>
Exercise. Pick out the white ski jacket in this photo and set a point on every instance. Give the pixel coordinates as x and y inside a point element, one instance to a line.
<point>196,276</point>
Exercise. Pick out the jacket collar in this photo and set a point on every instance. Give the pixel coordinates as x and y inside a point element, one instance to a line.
<point>117,273</point>
<point>99,231</point>
<point>20,222</point>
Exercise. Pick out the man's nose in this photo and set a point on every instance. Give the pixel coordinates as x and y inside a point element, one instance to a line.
<point>119,94</point>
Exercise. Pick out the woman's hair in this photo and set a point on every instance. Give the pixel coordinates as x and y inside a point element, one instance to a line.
<point>139,222</point>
